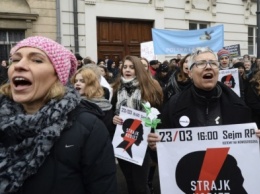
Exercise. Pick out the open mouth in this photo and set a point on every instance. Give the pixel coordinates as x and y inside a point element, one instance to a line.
<point>208,76</point>
<point>20,81</point>
<point>128,75</point>
<point>78,88</point>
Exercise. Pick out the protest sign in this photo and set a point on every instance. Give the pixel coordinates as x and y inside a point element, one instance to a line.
<point>213,159</point>
<point>234,50</point>
<point>147,50</point>
<point>230,78</point>
<point>130,139</point>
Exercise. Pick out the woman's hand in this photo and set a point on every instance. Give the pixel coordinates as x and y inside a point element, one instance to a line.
<point>117,120</point>
<point>257,132</point>
<point>152,139</point>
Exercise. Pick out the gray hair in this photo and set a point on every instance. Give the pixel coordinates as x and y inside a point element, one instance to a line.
<point>94,68</point>
<point>247,61</point>
<point>197,51</point>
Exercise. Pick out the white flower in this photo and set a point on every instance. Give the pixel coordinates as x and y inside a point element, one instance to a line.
<point>153,114</point>
<point>148,105</point>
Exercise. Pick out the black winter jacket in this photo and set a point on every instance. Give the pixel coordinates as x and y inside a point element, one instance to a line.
<point>233,109</point>
<point>81,161</point>
<point>253,101</point>
<point>3,75</point>
<point>105,116</point>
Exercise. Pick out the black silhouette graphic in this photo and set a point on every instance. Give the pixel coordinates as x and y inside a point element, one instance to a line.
<point>133,134</point>
<point>228,80</point>
<point>210,171</point>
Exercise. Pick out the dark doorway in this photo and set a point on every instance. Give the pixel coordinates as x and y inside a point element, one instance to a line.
<point>118,38</point>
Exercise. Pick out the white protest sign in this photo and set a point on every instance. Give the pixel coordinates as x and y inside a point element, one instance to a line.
<point>230,78</point>
<point>147,50</point>
<point>130,139</point>
<point>215,159</point>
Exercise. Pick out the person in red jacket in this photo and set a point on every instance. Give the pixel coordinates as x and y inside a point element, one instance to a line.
<point>154,65</point>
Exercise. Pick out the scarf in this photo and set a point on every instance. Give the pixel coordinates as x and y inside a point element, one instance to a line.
<point>129,95</point>
<point>103,103</point>
<point>35,135</point>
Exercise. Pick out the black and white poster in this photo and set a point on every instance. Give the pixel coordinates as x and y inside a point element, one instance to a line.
<point>209,160</point>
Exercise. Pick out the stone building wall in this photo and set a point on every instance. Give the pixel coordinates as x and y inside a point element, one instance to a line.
<point>236,16</point>
<point>36,17</point>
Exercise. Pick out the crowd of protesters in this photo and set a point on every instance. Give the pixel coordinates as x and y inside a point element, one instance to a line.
<point>37,89</point>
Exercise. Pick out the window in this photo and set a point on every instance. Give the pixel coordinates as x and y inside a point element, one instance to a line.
<point>252,40</point>
<point>197,25</point>
<point>8,38</point>
<point>251,0</point>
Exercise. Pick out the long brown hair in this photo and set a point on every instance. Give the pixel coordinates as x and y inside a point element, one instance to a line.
<point>150,89</point>
<point>256,82</point>
<point>182,76</point>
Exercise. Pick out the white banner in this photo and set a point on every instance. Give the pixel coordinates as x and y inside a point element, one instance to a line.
<point>230,78</point>
<point>209,160</point>
<point>130,139</point>
<point>147,50</point>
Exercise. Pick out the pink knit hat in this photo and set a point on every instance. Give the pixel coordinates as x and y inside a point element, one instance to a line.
<point>222,53</point>
<point>63,61</point>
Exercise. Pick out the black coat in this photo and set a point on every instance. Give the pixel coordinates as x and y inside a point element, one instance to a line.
<point>81,161</point>
<point>174,86</point>
<point>233,109</point>
<point>105,116</point>
<point>253,101</point>
<point>3,75</point>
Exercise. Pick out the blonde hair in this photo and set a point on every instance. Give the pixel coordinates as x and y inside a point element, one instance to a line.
<point>56,91</point>
<point>92,89</point>
<point>94,68</point>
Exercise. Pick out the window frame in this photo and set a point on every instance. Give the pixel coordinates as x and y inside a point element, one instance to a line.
<point>198,25</point>
<point>252,48</point>
<point>6,43</point>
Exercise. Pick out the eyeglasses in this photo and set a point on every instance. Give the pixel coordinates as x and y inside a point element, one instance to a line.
<point>203,64</point>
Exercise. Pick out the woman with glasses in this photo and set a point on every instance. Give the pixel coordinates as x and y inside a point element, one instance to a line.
<point>179,79</point>
<point>206,101</point>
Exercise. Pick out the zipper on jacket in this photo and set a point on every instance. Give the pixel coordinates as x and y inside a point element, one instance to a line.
<point>55,171</point>
<point>207,113</point>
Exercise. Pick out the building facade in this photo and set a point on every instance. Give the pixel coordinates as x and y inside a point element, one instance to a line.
<point>114,28</point>
<point>237,16</point>
<point>21,18</point>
